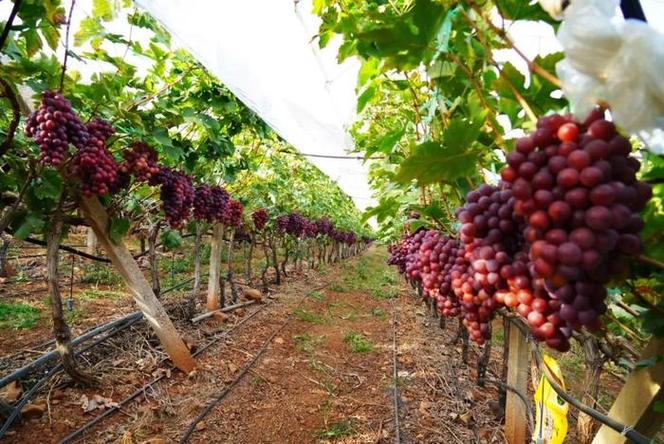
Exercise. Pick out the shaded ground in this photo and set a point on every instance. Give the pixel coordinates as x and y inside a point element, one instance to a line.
<point>327,376</point>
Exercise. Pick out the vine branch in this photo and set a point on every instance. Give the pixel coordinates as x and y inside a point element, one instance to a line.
<point>16,116</point>
<point>64,62</point>
<point>8,25</point>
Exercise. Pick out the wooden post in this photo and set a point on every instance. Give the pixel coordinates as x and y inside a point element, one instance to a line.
<point>633,406</point>
<point>91,242</point>
<point>214,287</point>
<point>516,422</point>
<point>147,302</point>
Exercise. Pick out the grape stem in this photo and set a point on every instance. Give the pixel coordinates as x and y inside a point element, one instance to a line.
<point>16,116</point>
<point>64,62</point>
<point>650,261</point>
<point>8,25</point>
<point>532,66</point>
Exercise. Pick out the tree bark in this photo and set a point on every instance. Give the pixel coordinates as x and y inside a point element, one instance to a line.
<point>231,281</point>
<point>4,252</point>
<point>60,328</point>
<point>250,256</point>
<point>275,261</point>
<point>91,242</point>
<point>214,280</point>
<point>197,261</point>
<point>152,255</point>
<point>585,425</point>
<point>267,265</point>
<point>285,261</point>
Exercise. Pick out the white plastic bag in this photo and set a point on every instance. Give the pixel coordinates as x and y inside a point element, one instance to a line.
<point>615,60</point>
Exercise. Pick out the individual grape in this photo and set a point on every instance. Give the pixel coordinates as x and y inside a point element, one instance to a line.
<point>568,132</point>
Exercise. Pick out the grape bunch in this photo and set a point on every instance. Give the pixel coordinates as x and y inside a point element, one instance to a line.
<point>310,229</point>
<point>293,224</point>
<point>259,217</point>
<point>398,252</point>
<point>210,203</point>
<point>121,182</point>
<point>324,226</point>
<point>575,186</point>
<point>412,263</point>
<point>100,129</point>
<point>437,257</point>
<point>141,161</point>
<point>94,164</point>
<point>177,195</point>
<point>489,237</point>
<point>54,126</point>
<point>232,214</point>
<point>242,236</point>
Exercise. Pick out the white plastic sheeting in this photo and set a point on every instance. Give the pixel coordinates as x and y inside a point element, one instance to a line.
<point>616,60</point>
<point>266,53</point>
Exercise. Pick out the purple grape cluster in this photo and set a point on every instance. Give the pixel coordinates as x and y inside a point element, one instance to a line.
<point>54,126</point>
<point>177,195</point>
<point>141,161</point>
<point>210,203</point>
<point>260,217</point>
<point>232,215</point>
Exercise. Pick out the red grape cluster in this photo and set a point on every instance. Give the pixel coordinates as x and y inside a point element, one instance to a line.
<point>259,217</point>
<point>547,241</point>
<point>438,258</point>
<point>177,195</point>
<point>100,129</point>
<point>489,237</point>
<point>210,203</point>
<point>53,126</point>
<point>232,214</point>
<point>310,228</point>
<point>95,166</point>
<point>575,185</point>
<point>293,224</point>
<point>141,161</point>
<point>398,252</point>
<point>324,226</point>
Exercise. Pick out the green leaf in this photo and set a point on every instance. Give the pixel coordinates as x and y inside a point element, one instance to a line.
<point>416,224</point>
<point>118,229</point>
<point>434,161</point>
<point>49,185</point>
<point>161,136</point>
<point>32,41</point>
<point>368,94</point>
<point>30,224</point>
<point>658,406</point>
<point>103,9</point>
<point>88,28</point>
<point>171,239</point>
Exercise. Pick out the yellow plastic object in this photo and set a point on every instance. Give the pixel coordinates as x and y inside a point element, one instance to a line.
<point>550,409</point>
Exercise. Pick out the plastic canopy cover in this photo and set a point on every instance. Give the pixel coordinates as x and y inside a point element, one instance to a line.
<point>266,53</point>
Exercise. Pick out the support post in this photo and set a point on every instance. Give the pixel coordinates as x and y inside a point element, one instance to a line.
<point>214,287</point>
<point>634,404</point>
<point>517,376</point>
<point>95,213</point>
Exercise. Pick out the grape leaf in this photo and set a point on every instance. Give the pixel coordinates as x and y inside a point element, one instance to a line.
<point>118,229</point>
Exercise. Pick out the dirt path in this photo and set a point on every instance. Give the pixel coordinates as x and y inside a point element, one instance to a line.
<point>326,377</point>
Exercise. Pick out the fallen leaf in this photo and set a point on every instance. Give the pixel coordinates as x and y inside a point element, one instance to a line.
<point>32,411</point>
<point>466,417</point>
<point>278,340</point>
<point>11,392</point>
